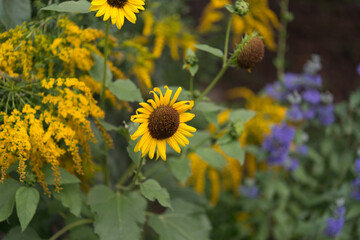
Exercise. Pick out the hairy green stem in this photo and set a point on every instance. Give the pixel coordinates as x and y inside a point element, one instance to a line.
<point>125,176</point>
<point>227,36</point>
<point>280,59</point>
<point>103,85</point>
<point>191,86</point>
<point>137,173</point>
<point>213,83</point>
<point>105,161</point>
<point>69,227</point>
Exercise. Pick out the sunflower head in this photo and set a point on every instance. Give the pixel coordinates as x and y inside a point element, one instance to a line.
<point>251,54</point>
<point>162,120</point>
<point>117,10</point>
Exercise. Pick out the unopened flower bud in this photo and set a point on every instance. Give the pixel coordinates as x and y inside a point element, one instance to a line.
<point>251,54</point>
<point>237,129</point>
<point>241,8</point>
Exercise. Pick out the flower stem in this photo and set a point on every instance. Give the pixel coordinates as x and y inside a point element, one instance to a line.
<point>105,162</point>
<point>128,172</point>
<point>227,36</point>
<point>191,86</point>
<point>137,173</point>
<point>213,83</point>
<point>103,85</point>
<point>70,226</point>
<point>280,59</point>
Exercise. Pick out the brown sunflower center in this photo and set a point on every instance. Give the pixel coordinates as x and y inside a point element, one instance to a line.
<point>163,122</point>
<point>117,3</point>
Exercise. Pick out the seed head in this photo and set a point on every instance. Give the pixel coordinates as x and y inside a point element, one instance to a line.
<point>251,54</point>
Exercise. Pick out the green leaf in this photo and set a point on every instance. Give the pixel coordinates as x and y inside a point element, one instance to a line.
<point>241,115</point>
<point>97,70</point>
<point>230,8</point>
<point>109,127</point>
<point>125,90</point>
<point>180,167</point>
<point>14,12</point>
<point>7,197</point>
<point>152,190</point>
<point>193,69</point>
<point>354,99</point>
<point>206,48</point>
<point>135,156</point>
<point>81,6</point>
<point>233,149</point>
<point>70,197</point>
<point>65,176</point>
<point>212,157</point>
<point>16,234</point>
<point>82,233</point>
<point>209,107</point>
<point>186,222</point>
<point>118,216</point>
<point>27,199</point>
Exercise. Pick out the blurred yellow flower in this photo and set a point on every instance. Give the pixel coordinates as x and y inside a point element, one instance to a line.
<point>259,18</point>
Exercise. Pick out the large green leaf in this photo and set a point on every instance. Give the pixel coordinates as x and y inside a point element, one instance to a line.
<point>135,156</point>
<point>210,111</point>
<point>233,149</point>
<point>7,197</point>
<point>152,190</point>
<point>118,216</point>
<point>206,48</point>
<point>65,176</point>
<point>82,233</point>
<point>241,115</point>
<point>14,12</point>
<point>16,234</point>
<point>180,167</point>
<point>70,196</point>
<point>186,222</point>
<point>125,90</point>
<point>97,70</point>
<point>81,6</point>
<point>27,199</point>
<point>212,157</point>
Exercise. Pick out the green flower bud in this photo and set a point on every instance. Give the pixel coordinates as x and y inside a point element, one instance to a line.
<point>237,129</point>
<point>241,8</point>
<point>251,54</point>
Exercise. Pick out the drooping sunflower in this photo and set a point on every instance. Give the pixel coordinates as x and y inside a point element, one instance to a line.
<point>117,10</point>
<point>162,120</point>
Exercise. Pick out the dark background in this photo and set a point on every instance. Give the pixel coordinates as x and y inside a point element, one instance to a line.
<point>329,28</point>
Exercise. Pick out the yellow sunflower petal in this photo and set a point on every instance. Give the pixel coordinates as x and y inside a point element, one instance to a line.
<point>136,2</point>
<point>161,148</point>
<point>94,8</point>
<point>107,13</point>
<point>167,96</point>
<point>156,89</point>
<point>140,131</point>
<point>177,93</point>
<point>156,97</point>
<point>185,133</point>
<point>101,11</point>
<point>143,110</point>
<point>185,117</point>
<point>98,2</point>
<point>129,14</point>
<point>114,15</point>
<point>152,148</point>
<point>147,106</point>
<point>171,141</point>
<point>142,140</point>
<point>186,127</point>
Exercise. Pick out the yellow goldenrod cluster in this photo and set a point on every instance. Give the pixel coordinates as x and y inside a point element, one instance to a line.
<point>29,52</point>
<point>53,131</point>
<point>268,113</point>
<point>259,18</point>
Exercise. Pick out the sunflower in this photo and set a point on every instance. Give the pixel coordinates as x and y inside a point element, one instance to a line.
<point>117,10</point>
<point>162,120</point>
